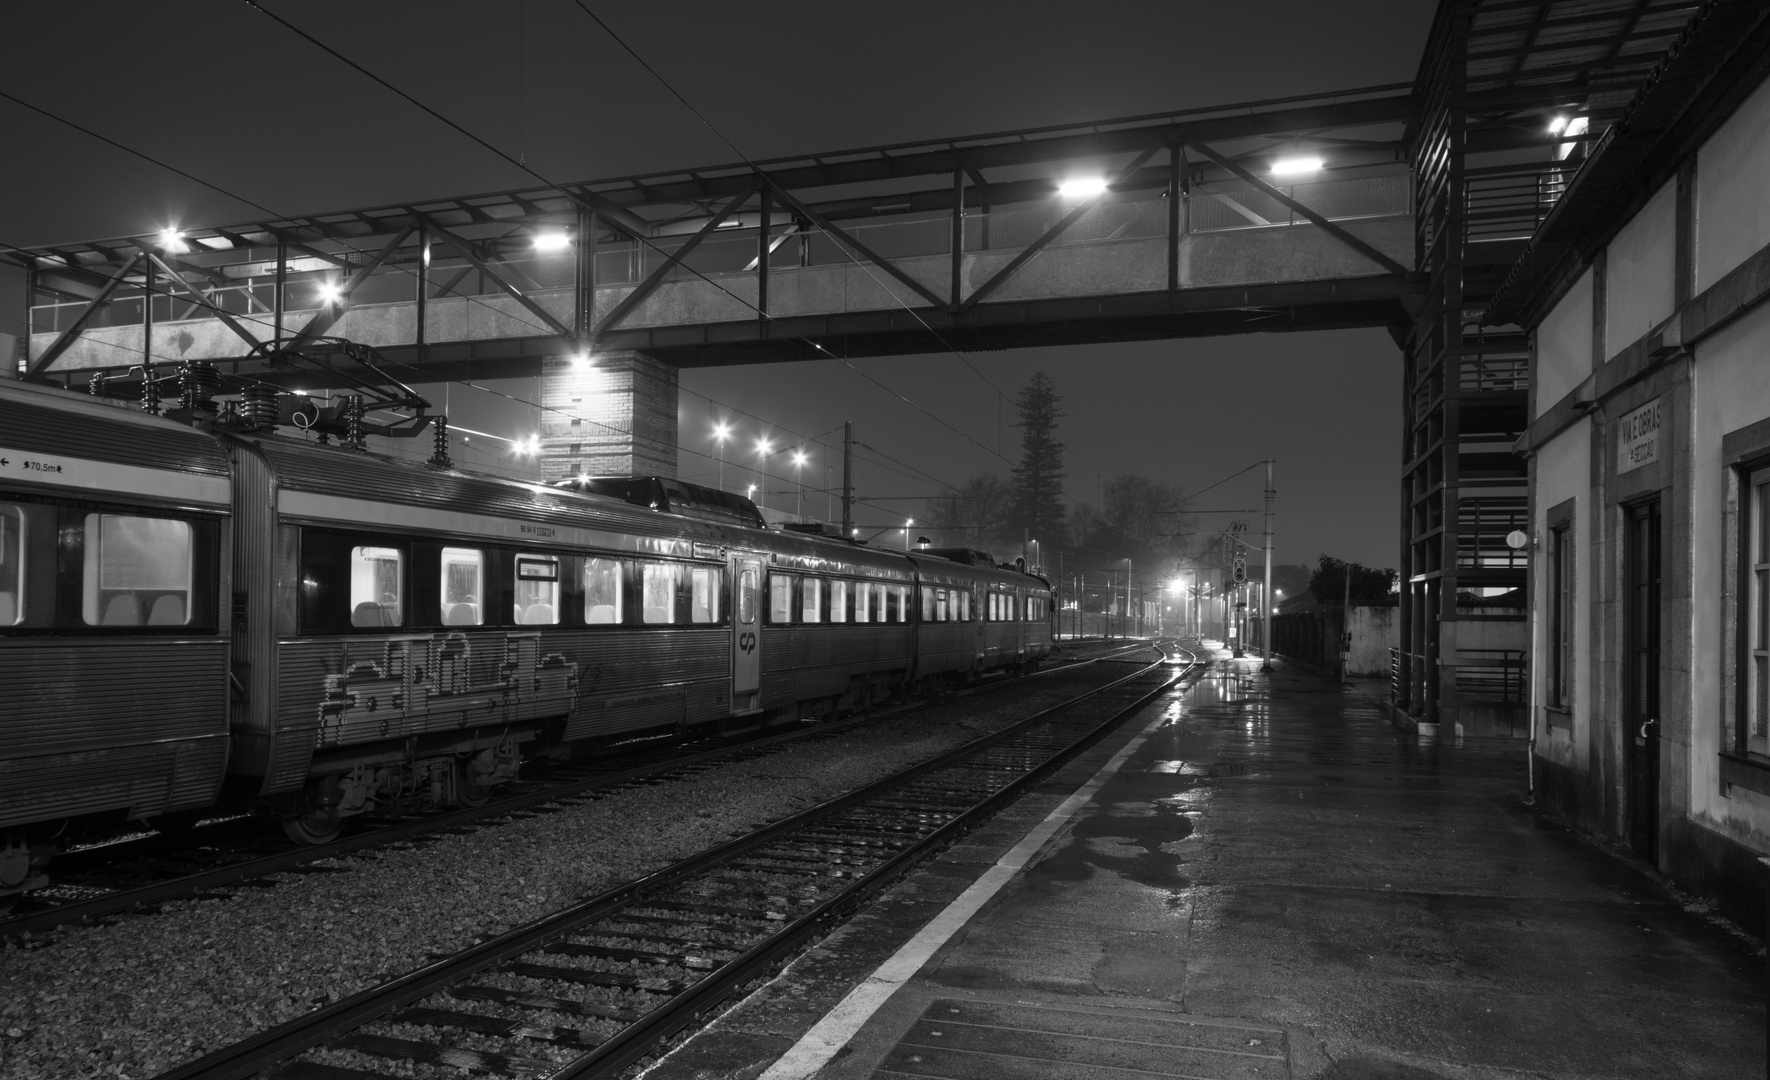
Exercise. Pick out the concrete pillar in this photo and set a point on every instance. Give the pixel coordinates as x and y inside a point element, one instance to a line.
<point>615,417</point>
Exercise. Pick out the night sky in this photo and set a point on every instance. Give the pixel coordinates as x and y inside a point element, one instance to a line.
<point>220,91</point>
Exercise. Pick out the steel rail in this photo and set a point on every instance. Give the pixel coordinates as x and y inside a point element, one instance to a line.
<point>265,1050</point>
<point>125,900</point>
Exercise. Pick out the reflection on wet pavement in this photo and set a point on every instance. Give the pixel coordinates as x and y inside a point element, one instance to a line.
<point>1277,853</point>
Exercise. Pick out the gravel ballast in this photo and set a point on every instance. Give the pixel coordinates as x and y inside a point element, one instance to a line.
<point>144,994</point>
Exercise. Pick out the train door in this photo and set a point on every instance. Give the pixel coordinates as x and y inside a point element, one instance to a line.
<point>746,637</point>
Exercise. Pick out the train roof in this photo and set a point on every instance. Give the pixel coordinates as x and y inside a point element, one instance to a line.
<point>52,420</point>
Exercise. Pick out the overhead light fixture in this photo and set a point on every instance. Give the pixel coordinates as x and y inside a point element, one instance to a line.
<point>1557,125</point>
<point>552,241</point>
<point>1296,166</point>
<point>1083,188</point>
<point>582,359</point>
<point>330,292</point>
<point>172,240</point>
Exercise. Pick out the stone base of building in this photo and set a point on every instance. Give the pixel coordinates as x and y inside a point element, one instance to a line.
<point>1698,860</point>
<point>615,416</point>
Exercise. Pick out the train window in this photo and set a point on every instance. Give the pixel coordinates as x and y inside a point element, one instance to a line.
<point>377,586</point>
<point>780,599</point>
<point>863,608</point>
<point>704,594</point>
<point>964,598</point>
<point>901,594</point>
<point>12,564</point>
<point>658,604</point>
<point>602,592</point>
<point>537,590</point>
<point>138,571</point>
<point>838,601</point>
<point>463,580</point>
<point>927,604</point>
<point>746,598</point>
<point>811,600</point>
<point>879,614</point>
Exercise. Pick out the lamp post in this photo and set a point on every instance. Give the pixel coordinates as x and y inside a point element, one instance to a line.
<point>721,432</point>
<point>799,460</point>
<point>907,522</point>
<point>763,449</point>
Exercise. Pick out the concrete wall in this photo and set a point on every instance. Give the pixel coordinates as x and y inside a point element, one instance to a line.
<point>1374,630</point>
<point>1639,270</point>
<point>1732,391</point>
<point>1733,190</point>
<point>1563,346</point>
<point>1562,470</point>
<point>1104,267</point>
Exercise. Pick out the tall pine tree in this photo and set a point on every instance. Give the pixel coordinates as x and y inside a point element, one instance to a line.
<point>1038,479</point>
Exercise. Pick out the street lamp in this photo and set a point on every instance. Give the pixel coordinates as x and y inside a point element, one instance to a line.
<point>800,457</point>
<point>763,450</point>
<point>721,432</point>
<point>907,522</point>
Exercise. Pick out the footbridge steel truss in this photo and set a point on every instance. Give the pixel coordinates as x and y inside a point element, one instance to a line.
<point>966,243</point>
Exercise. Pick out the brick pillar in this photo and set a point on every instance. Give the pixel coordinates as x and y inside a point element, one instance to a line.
<point>616,417</point>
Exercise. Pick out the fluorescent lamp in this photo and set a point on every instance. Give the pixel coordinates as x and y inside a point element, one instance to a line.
<point>1296,165</point>
<point>1085,188</point>
<point>552,241</point>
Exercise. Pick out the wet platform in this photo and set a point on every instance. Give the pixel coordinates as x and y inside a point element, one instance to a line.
<point>1259,877</point>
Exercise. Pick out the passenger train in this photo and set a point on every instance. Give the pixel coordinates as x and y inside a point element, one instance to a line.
<point>194,616</point>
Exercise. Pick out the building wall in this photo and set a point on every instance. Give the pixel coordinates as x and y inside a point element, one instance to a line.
<point>1733,171</point>
<point>1639,270</point>
<point>1564,346</point>
<point>1562,472</point>
<point>1599,359</point>
<point>1732,391</point>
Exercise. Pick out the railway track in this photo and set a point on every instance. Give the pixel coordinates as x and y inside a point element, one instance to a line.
<point>135,876</point>
<point>597,987</point>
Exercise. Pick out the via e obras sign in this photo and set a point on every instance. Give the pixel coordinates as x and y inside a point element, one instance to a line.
<point>1637,438</point>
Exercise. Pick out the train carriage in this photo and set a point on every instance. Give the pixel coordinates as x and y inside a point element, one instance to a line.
<point>114,680</point>
<point>338,633</point>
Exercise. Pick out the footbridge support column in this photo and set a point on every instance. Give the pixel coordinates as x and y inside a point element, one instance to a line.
<point>614,416</point>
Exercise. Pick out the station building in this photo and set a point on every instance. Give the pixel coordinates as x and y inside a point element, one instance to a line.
<point>1643,294</point>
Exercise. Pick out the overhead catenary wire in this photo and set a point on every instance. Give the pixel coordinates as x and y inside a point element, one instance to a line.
<point>585,205</point>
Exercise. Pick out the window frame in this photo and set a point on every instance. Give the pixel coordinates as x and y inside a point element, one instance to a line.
<point>449,557</point>
<point>23,514</point>
<point>1753,627</point>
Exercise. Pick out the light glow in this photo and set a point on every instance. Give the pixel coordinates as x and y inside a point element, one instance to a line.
<point>1083,188</point>
<point>800,457</point>
<point>330,292</point>
<point>172,240</point>
<point>1296,166</point>
<point>722,431</point>
<point>1557,125</point>
<point>582,360</point>
<point>552,241</point>
<point>762,447</point>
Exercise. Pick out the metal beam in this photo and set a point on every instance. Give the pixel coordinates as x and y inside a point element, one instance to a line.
<point>466,250</point>
<point>865,252</point>
<point>1315,219</point>
<point>323,319</point>
<point>68,336</point>
<point>201,300</point>
<point>656,277</point>
<point>1053,233</point>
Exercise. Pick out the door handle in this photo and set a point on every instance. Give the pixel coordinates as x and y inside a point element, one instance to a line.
<point>1649,723</point>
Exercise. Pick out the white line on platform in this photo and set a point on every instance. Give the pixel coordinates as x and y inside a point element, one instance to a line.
<point>816,1047</point>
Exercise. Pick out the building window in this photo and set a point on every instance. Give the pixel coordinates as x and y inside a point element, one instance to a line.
<point>1755,542</point>
<point>1560,689</point>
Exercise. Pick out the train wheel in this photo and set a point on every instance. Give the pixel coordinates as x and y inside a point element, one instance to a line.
<point>312,827</point>
<point>467,793</point>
